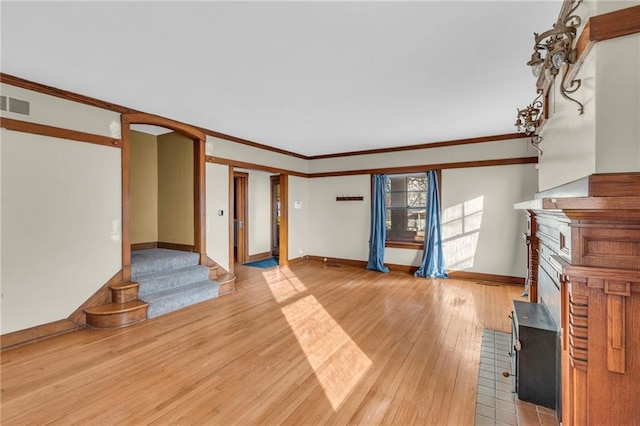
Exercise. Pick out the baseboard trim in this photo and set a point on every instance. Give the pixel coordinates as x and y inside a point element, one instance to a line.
<point>29,335</point>
<point>160,244</point>
<point>478,276</point>
<point>144,246</point>
<point>332,261</point>
<point>409,269</point>
<point>174,246</point>
<point>259,256</point>
<point>75,321</point>
<point>298,260</point>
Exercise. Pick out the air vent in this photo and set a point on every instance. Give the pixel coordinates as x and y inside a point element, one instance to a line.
<point>18,106</point>
<point>3,103</point>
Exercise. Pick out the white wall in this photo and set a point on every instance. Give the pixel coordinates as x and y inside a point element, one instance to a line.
<point>618,105</point>
<point>58,112</point>
<point>61,212</point>
<point>512,148</point>
<point>568,139</point>
<point>606,138</point>
<point>339,228</point>
<point>481,230</point>
<point>605,6</point>
<point>217,198</point>
<point>217,147</point>
<point>71,220</point>
<point>298,218</point>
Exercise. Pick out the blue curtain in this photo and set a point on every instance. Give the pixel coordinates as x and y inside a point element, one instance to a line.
<point>378,225</point>
<point>433,260</point>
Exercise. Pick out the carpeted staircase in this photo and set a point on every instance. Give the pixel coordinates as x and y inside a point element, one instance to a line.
<point>169,280</point>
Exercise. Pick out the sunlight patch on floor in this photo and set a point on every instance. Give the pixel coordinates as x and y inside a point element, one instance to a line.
<point>283,284</point>
<point>337,361</point>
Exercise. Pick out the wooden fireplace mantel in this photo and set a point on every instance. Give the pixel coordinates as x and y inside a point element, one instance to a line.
<point>585,236</point>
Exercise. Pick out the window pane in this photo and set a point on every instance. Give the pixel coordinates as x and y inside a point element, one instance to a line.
<point>406,197</point>
<point>416,199</point>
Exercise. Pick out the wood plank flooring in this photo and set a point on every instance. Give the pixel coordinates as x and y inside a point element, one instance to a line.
<point>312,344</point>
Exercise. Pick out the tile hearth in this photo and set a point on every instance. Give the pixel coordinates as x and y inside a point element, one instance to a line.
<point>497,403</point>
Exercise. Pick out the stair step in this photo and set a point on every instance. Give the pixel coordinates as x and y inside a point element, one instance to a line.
<point>227,283</point>
<point>157,260</point>
<point>166,280</point>
<point>177,298</point>
<point>116,314</point>
<point>127,292</point>
<point>213,272</point>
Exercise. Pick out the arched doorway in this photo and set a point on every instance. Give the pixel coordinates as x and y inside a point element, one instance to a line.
<point>198,137</point>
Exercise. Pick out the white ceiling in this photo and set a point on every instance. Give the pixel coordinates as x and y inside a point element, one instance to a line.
<point>308,77</point>
<point>150,129</point>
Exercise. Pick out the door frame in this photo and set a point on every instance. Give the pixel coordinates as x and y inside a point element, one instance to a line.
<point>199,211</point>
<point>241,209</point>
<point>275,230</point>
<point>284,221</point>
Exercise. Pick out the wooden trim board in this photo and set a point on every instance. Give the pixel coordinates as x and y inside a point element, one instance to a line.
<point>144,246</point>
<point>259,256</point>
<point>232,203</point>
<point>462,275</point>
<point>57,132</point>
<point>199,200</point>
<point>399,169</point>
<point>284,220</point>
<point>75,97</point>
<point>21,337</point>
<point>615,24</point>
<point>175,246</point>
<point>455,142</point>
<point>440,166</point>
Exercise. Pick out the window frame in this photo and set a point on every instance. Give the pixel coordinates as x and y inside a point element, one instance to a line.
<point>403,244</point>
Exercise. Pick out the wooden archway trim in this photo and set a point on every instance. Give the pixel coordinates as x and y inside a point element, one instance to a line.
<point>182,128</point>
<point>199,212</point>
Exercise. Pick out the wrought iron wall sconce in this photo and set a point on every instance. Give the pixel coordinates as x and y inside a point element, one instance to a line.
<point>553,51</point>
<point>528,121</point>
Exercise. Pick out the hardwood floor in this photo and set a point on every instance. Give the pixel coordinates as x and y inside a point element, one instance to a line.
<point>307,345</point>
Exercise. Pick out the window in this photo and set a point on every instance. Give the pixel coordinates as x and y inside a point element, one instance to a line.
<point>406,200</point>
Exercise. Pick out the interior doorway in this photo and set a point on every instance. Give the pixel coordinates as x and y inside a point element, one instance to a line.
<point>196,198</point>
<point>275,215</point>
<point>240,216</point>
<point>162,189</point>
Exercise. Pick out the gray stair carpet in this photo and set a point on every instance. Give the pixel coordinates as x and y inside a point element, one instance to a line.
<point>169,280</point>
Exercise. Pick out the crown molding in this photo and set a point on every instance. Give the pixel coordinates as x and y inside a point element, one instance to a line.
<point>76,97</point>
